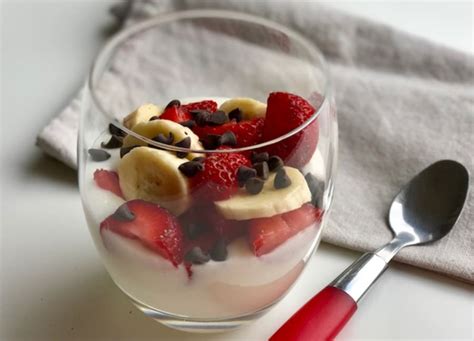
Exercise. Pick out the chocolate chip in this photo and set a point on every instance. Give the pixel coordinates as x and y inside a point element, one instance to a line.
<point>281,179</point>
<point>189,124</point>
<point>98,154</point>
<point>201,117</point>
<point>173,103</point>
<point>316,187</point>
<point>184,143</point>
<point>196,256</point>
<point>259,157</point>
<point>114,130</point>
<point>191,168</point>
<point>123,213</point>
<point>254,185</point>
<point>161,138</point>
<point>211,141</point>
<point>125,150</point>
<point>193,230</point>
<point>114,142</point>
<point>153,118</point>
<point>219,251</point>
<point>262,169</point>
<point>244,173</point>
<point>228,139</point>
<point>199,159</point>
<point>218,118</point>
<point>275,162</point>
<point>235,114</point>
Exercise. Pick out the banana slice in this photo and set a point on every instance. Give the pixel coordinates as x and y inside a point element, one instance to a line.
<point>142,114</point>
<point>250,108</point>
<point>152,174</point>
<point>151,129</point>
<point>269,201</point>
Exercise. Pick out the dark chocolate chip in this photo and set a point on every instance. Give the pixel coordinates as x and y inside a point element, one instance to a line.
<point>193,231</point>
<point>125,150</point>
<point>316,188</point>
<point>254,185</point>
<point>189,124</point>
<point>191,168</point>
<point>114,130</point>
<point>173,103</point>
<point>228,139</point>
<point>259,157</point>
<point>197,256</point>
<point>199,159</point>
<point>98,154</point>
<point>164,139</point>
<point>211,141</point>
<point>184,143</point>
<point>244,173</point>
<point>281,179</point>
<point>274,163</point>
<point>201,117</point>
<point>219,251</point>
<point>235,114</point>
<point>262,169</point>
<point>218,118</point>
<point>153,118</point>
<point>123,213</point>
<point>114,142</point>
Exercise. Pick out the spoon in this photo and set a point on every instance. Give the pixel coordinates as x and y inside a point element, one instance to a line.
<point>424,211</point>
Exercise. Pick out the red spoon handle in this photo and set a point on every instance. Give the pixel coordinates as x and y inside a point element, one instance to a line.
<point>320,319</point>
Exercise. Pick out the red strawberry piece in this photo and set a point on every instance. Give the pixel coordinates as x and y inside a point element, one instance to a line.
<point>155,227</point>
<point>266,234</point>
<point>208,105</point>
<point>176,114</point>
<point>108,180</point>
<point>218,180</point>
<point>247,133</point>
<point>286,112</point>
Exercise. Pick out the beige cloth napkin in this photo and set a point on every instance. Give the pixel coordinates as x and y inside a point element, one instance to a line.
<point>403,103</point>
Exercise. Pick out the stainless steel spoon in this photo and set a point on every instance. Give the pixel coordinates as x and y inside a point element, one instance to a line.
<point>424,211</point>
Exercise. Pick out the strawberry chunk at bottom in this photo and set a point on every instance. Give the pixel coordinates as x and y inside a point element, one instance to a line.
<point>266,234</point>
<point>108,180</point>
<point>155,227</point>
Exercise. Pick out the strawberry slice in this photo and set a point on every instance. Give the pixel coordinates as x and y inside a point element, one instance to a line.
<point>286,112</point>
<point>247,133</point>
<point>181,113</point>
<point>218,180</point>
<point>155,228</point>
<point>108,180</point>
<point>266,234</point>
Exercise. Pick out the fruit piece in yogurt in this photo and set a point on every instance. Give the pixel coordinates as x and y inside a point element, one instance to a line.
<point>108,180</point>
<point>153,226</point>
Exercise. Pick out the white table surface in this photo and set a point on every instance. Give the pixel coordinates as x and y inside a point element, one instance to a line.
<point>53,286</point>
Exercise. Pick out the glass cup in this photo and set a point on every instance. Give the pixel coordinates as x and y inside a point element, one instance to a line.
<point>207,249</point>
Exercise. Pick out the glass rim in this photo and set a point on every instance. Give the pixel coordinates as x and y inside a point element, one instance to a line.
<point>144,25</point>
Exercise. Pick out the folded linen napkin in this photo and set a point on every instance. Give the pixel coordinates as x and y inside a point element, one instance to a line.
<point>403,103</point>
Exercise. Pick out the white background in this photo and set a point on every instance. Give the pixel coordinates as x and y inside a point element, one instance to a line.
<point>53,286</point>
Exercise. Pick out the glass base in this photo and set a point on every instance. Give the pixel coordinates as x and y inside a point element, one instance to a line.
<point>192,325</point>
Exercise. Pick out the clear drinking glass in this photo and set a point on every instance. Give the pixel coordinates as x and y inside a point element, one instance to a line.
<point>145,242</point>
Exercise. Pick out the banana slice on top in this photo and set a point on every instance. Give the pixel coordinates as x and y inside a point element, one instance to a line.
<point>269,201</point>
<point>142,114</point>
<point>249,107</point>
<point>151,129</point>
<point>152,174</point>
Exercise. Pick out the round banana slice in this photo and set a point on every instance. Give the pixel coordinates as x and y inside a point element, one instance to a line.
<point>249,107</point>
<point>152,174</point>
<point>142,114</point>
<point>269,201</point>
<point>151,129</point>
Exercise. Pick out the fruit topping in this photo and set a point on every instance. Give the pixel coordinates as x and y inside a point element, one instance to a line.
<point>153,226</point>
<point>142,114</point>
<point>98,154</point>
<point>248,107</point>
<point>108,180</point>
